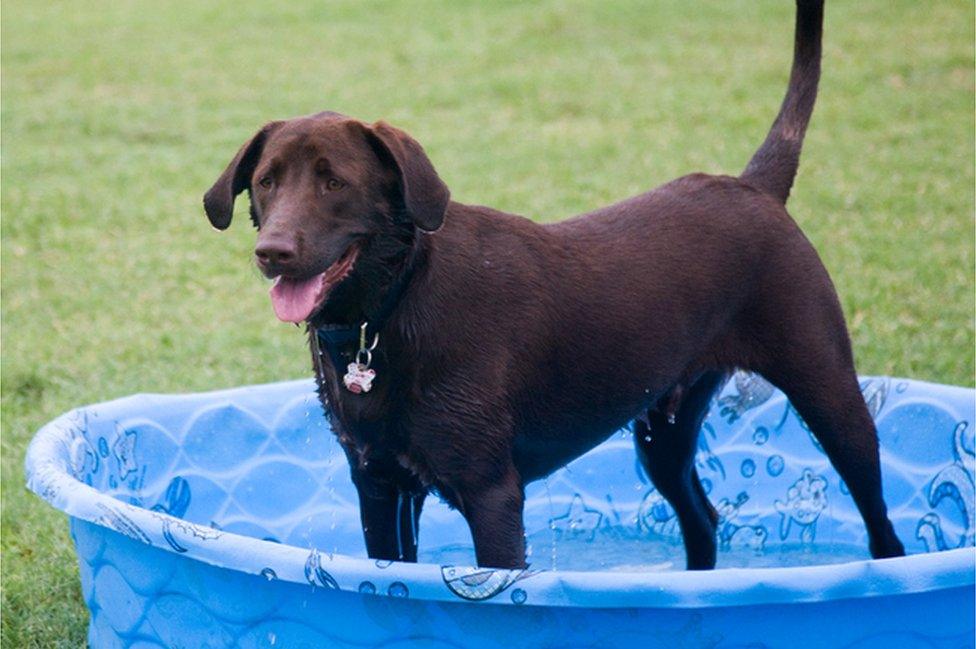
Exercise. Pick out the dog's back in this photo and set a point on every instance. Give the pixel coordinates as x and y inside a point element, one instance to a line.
<point>682,279</point>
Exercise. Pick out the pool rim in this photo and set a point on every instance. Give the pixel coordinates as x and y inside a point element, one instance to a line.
<point>47,465</point>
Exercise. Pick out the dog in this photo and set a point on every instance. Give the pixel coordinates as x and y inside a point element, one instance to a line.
<point>464,350</point>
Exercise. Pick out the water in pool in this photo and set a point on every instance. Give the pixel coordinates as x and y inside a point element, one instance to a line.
<point>604,552</point>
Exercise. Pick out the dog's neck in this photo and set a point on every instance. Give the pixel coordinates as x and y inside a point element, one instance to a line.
<point>384,262</point>
<point>368,302</point>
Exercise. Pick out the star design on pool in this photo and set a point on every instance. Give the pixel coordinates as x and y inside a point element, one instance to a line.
<point>579,521</point>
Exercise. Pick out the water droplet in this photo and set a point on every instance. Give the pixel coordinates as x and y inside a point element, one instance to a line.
<point>748,468</point>
<point>843,488</point>
<point>518,596</point>
<point>272,638</point>
<point>775,465</point>
<point>398,589</point>
<point>269,574</point>
<point>647,438</point>
<point>367,588</point>
<point>552,526</point>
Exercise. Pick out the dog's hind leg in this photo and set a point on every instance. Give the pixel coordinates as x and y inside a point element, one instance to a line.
<point>696,481</point>
<point>826,394</point>
<point>666,444</point>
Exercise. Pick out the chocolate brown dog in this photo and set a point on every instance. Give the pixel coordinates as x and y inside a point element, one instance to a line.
<point>462,349</point>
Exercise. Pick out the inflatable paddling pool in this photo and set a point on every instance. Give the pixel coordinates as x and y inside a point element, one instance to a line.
<point>227,519</point>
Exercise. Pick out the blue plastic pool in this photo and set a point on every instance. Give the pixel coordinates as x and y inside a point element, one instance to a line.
<point>228,519</point>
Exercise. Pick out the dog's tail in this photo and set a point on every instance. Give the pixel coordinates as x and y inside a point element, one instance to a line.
<point>773,167</point>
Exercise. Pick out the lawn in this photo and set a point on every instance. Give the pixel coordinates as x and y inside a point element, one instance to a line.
<point>117,117</point>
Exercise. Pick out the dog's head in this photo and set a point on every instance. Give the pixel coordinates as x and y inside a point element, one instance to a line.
<point>333,199</point>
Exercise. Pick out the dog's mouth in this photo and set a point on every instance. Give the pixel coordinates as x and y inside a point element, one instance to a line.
<point>295,300</point>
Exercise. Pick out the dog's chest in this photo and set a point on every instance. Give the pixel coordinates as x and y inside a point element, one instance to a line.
<point>368,428</point>
<point>363,421</point>
<point>363,417</point>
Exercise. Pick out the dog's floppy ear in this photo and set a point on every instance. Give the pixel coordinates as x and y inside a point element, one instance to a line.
<point>218,203</point>
<point>424,194</point>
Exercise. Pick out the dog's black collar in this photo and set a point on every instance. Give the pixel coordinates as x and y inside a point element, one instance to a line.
<point>341,341</point>
<point>336,341</point>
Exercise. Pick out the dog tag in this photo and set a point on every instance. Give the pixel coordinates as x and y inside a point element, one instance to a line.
<point>358,378</point>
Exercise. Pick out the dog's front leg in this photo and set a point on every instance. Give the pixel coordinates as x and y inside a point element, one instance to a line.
<point>390,518</point>
<point>390,504</point>
<point>494,515</point>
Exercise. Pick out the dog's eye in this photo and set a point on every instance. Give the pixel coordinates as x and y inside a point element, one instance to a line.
<point>266,182</point>
<point>334,184</point>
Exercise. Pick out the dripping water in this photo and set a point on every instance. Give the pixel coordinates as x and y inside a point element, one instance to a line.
<point>552,526</point>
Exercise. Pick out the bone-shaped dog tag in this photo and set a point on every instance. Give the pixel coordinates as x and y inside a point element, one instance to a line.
<point>358,378</point>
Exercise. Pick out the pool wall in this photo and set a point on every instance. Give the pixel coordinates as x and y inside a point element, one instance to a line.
<point>227,519</point>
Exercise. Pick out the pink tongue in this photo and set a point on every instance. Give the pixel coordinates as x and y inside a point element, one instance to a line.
<point>294,300</point>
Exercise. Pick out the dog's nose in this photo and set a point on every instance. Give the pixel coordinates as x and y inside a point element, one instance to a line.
<point>275,252</point>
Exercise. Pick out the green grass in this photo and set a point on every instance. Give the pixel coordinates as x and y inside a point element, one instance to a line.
<point>117,116</point>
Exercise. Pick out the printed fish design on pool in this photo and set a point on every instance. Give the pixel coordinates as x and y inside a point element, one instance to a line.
<point>114,519</point>
<point>875,393</point>
<point>175,502</point>
<point>657,516</point>
<point>805,501</point>
<point>316,574</point>
<point>171,526</point>
<point>957,483</point>
<point>480,584</point>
